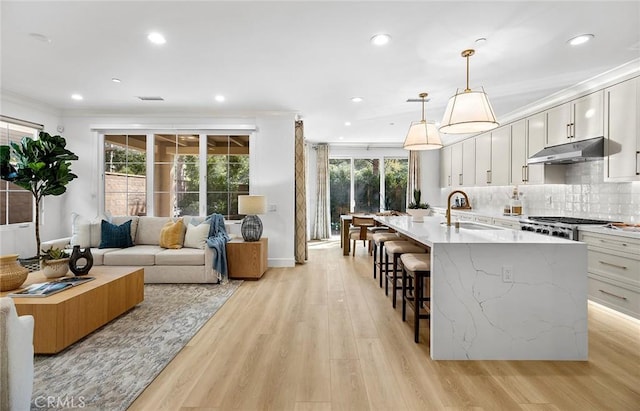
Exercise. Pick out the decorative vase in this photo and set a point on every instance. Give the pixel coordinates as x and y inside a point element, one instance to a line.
<point>55,268</point>
<point>12,274</point>
<point>80,261</point>
<point>418,214</point>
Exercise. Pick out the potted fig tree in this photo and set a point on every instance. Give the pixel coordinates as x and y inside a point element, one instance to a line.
<point>41,166</point>
<point>417,209</point>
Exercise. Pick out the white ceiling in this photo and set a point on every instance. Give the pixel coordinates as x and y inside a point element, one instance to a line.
<point>307,58</point>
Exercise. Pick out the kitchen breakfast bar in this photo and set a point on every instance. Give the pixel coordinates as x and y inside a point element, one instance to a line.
<point>502,294</point>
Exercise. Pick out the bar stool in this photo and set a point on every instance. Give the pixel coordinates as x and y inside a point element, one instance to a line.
<point>378,247</point>
<point>416,268</point>
<point>395,249</point>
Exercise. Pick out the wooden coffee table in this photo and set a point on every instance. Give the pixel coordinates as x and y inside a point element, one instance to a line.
<point>65,317</point>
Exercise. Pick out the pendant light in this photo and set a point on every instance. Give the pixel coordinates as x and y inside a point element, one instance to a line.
<point>468,111</point>
<point>422,135</point>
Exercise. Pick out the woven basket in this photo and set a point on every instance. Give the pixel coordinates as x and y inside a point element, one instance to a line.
<point>12,274</point>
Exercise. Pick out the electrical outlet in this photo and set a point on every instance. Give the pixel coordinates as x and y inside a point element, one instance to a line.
<point>548,199</point>
<point>272,208</point>
<point>507,274</point>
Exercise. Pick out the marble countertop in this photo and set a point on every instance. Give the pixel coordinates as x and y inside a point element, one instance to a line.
<point>432,231</point>
<point>612,231</point>
<point>474,212</point>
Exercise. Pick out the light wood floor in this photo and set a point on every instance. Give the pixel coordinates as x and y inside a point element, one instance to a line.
<point>323,336</point>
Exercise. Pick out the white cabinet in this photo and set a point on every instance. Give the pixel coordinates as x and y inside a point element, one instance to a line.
<point>500,156</point>
<point>463,163</point>
<point>622,157</point>
<point>469,162</point>
<point>519,152</point>
<point>579,119</point>
<point>614,271</point>
<point>456,164</point>
<point>483,159</point>
<point>445,167</point>
<point>507,223</point>
<point>527,138</point>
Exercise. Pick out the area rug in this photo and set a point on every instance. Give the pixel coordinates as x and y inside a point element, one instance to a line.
<point>109,368</point>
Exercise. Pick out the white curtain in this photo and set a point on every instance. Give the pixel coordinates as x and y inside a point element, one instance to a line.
<point>413,182</point>
<point>322,224</point>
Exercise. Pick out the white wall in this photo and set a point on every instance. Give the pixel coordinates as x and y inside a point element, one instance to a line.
<point>271,165</point>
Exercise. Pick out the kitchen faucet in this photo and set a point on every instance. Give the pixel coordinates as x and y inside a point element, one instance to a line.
<point>466,201</point>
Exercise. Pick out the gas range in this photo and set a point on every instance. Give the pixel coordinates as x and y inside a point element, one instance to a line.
<point>564,227</point>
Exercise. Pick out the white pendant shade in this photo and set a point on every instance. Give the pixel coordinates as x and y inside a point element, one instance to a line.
<point>467,112</point>
<point>422,136</point>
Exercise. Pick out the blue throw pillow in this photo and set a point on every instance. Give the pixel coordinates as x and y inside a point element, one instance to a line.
<point>115,236</point>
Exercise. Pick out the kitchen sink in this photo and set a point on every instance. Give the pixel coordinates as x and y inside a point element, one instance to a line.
<point>468,225</point>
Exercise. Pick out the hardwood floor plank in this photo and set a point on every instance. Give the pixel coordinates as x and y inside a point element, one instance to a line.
<point>348,391</point>
<point>322,336</point>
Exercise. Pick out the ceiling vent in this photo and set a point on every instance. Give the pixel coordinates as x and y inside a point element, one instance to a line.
<point>150,98</point>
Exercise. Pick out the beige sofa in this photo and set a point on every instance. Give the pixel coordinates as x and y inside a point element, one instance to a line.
<point>193,263</point>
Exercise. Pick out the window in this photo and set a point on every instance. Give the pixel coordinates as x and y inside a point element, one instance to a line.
<point>361,182</point>
<point>227,173</point>
<point>125,179</point>
<point>175,168</point>
<point>16,203</point>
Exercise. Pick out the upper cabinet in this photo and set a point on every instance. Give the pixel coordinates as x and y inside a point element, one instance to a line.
<point>622,157</point>
<point>500,156</point>
<point>527,138</point>
<point>468,162</point>
<point>456,164</point>
<point>483,159</point>
<point>579,119</point>
<point>445,167</point>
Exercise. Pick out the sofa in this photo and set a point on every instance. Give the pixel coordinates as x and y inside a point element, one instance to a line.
<point>185,259</point>
<point>16,357</point>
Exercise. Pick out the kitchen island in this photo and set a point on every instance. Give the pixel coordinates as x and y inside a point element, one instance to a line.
<point>501,294</point>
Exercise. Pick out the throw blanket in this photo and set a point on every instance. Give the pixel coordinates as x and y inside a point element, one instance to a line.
<point>217,240</point>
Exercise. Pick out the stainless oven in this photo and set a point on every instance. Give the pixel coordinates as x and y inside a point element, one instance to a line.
<point>564,227</point>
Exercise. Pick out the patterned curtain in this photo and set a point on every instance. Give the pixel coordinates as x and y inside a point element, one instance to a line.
<point>300,246</point>
<point>322,225</point>
<point>413,182</point>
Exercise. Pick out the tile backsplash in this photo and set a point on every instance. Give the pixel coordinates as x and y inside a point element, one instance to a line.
<point>584,194</point>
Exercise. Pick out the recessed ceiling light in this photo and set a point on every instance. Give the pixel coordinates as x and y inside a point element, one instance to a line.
<point>156,38</point>
<point>116,80</point>
<point>581,39</point>
<point>340,138</point>
<point>76,97</point>
<point>380,39</point>
<point>219,98</point>
<point>356,99</point>
<point>347,123</point>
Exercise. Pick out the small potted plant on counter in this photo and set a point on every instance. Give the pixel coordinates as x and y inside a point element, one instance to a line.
<point>417,209</point>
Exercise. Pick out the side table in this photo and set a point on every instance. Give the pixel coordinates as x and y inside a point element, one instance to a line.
<point>247,260</point>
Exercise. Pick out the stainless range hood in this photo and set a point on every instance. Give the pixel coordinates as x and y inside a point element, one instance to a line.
<point>585,150</point>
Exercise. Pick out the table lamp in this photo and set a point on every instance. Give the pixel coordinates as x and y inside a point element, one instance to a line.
<point>251,225</point>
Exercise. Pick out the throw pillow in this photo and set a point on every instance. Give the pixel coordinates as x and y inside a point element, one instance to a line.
<point>196,236</point>
<point>80,231</point>
<point>172,234</point>
<point>115,236</point>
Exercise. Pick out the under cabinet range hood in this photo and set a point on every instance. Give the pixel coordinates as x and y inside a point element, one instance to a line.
<point>584,150</point>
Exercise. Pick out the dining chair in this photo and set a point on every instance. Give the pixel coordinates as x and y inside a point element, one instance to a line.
<point>362,225</point>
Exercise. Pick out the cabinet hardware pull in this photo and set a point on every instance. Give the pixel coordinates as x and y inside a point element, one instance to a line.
<point>460,178</point>
<point>612,265</point>
<point>488,176</point>
<point>524,178</point>
<point>568,131</point>
<point>613,295</point>
<point>637,163</point>
<point>605,241</point>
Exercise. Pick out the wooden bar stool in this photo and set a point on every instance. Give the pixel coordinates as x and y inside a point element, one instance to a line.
<point>395,249</point>
<point>416,268</point>
<point>378,248</point>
